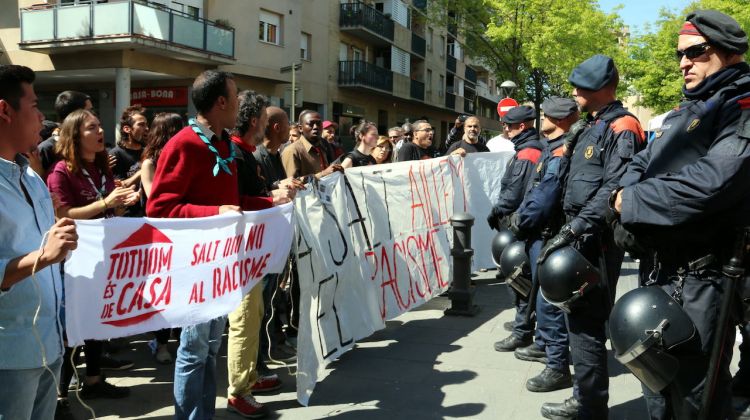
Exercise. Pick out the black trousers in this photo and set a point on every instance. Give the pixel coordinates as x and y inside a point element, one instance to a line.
<point>587,329</point>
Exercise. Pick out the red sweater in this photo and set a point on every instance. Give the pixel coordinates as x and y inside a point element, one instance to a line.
<point>184,185</point>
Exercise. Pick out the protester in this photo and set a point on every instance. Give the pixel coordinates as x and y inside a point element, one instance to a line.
<point>31,346</point>
<point>366,134</point>
<point>501,142</point>
<point>197,177</point>
<point>329,134</point>
<point>245,321</point>
<point>163,127</point>
<point>685,200</point>
<point>395,135</point>
<point>469,142</point>
<point>419,147</point>
<point>383,151</point>
<point>65,103</point>
<point>84,188</point>
<point>306,157</point>
<point>406,136</point>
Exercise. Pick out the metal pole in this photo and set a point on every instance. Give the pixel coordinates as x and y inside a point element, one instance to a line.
<point>294,90</point>
<point>461,292</point>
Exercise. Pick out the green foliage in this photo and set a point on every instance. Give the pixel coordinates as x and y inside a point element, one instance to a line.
<point>651,67</point>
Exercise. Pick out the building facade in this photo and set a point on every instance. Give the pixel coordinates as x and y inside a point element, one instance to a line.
<point>380,60</point>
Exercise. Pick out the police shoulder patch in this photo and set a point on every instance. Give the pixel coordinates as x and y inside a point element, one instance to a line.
<point>530,154</point>
<point>628,123</point>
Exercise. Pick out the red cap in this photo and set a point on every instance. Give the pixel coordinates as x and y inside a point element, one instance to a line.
<point>327,124</point>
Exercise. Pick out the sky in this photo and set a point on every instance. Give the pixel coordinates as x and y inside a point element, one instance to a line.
<point>637,12</point>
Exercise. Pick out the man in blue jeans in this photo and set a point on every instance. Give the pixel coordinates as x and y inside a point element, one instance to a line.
<point>30,335</point>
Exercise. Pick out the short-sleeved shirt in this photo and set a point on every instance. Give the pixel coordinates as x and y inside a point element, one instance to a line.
<point>358,158</point>
<point>75,190</point>
<point>128,163</point>
<point>468,147</point>
<point>410,151</point>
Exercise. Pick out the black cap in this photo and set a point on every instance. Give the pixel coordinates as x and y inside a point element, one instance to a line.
<point>720,30</point>
<point>594,73</point>
<point>557,107</point>
<point>519,114</point>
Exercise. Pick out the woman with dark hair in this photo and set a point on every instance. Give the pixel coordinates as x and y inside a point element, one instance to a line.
<point>383,151</point>
<point>163,127</point>
<point>366,134</point>
<point>84,188</point>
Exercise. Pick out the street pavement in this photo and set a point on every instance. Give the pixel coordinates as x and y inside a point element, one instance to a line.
<point>423,365</point>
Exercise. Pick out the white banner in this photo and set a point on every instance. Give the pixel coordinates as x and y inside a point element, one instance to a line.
<point>375,242</point>
<point>134,275</point>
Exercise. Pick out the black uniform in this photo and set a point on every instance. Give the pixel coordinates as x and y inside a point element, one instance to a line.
<point>128,163</point>
<point>468,147</point>
<point>599,159</point>
<point>682,198</point>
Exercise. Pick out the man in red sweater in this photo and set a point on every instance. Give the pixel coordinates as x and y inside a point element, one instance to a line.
<point>197,177</point>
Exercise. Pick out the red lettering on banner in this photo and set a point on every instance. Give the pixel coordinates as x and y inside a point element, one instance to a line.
<point>139,262</point>
<point>205,252</point>
<point>238,274</point>
<point>196,294</point>
<point>255,237</point>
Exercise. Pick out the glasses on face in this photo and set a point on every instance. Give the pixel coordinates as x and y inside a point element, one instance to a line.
<point>692,52</point>
<point>429,130</point>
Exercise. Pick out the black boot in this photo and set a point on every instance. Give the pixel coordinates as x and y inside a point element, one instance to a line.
<point>511,343</point>
<point>550,380</point>
<point>531,353</point>
<point>567,410</point>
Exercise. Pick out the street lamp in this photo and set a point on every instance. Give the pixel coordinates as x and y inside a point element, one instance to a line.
<point>507,88</point>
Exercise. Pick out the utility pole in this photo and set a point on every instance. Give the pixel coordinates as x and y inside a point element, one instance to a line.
<point>293,68</point>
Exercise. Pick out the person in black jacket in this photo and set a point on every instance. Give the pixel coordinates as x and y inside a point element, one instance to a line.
<point>685,195</point>
<point>599,157</point>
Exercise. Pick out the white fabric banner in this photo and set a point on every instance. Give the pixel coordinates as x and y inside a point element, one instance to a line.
<point>134,275</point>
<point>375,242</point>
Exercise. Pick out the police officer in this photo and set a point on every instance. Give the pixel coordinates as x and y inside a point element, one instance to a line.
<point>684,195</point>
<point>537,219</point>
<point>520,124</point>
<point>598,160</point>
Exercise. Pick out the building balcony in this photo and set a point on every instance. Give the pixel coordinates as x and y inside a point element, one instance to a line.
<point>366,22</point>
<point>125,24</point>
<point>418,45</point>
<point>417,90</point>
<point>470,74</point>
<point>420,4</point>
<point>450,101</point>
<point>361,74</point>
<point>450,63</point>
<point>483,91</point>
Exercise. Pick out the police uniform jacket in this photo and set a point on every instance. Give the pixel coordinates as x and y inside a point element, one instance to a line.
<point>517,175</point>
<point>599,159</point>
<point>696,173</point>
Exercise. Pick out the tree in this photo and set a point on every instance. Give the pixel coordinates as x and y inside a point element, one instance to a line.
<point>535,43</point>
<point>652,68</point>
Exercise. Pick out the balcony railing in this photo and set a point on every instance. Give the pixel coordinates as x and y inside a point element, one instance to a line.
<point>418,44</point>
<point>470,74</point>
<point>450,101</point>
<point>353,15</point>
<point>417,90</point>
<point>123,19</point>
<point>420,4</point>
<point>362,73</point>
<point>483,91</point>
<point>450,63</point>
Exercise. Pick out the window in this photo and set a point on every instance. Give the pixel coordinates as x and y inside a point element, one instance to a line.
<point>442,86</point>
<point>304,46</point>
<point>399,61</point>
<point>428,83</point>
<point>343,52</point>
<point>442,45</point>
<point>356,54</point>
<point>428,40</point>
<point>269,29</point>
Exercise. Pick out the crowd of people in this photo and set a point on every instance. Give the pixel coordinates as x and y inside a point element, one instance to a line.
<point>576,194</point>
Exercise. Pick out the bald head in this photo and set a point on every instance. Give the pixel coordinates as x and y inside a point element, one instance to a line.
<point>277,130</point>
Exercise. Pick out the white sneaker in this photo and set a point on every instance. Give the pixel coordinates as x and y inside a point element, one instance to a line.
<point>163,356</point>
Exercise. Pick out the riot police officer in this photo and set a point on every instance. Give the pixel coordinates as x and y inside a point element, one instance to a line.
<point>520,124</point>
<point>537,219</point>
<point>598,160</point>
<point>682,198</point>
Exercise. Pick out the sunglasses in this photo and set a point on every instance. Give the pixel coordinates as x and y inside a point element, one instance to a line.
<point>692,52</point>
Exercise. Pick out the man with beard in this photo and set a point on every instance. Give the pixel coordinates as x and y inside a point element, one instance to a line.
<point>469,143</point>
<point>127,169</point>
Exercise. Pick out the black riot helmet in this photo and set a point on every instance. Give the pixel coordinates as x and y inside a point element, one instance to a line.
<point>516,268</point>
<point>565,276</point>
<point>645,325</point>
<point>503,238</point>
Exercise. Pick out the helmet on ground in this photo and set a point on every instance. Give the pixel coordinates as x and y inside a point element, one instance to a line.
<point>645,326</point>
<point>565,276</point>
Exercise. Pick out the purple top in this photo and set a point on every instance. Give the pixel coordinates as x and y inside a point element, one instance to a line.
<point>75,190</point>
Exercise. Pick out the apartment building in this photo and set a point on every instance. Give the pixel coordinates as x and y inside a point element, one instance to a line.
<point>380,60</point>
